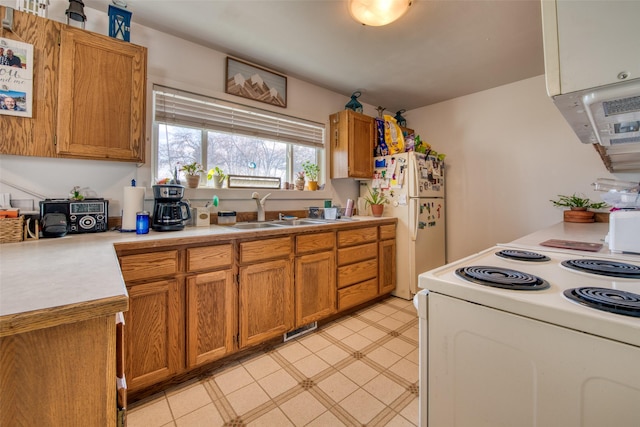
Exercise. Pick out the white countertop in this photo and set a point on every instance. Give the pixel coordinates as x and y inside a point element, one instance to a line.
<point>48,274</point>
<point>580,232</point>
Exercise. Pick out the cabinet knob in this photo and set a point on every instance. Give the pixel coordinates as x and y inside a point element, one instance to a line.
<point>623,75</point>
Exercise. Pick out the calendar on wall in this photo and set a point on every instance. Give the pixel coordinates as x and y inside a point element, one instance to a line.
<point>16,78</point>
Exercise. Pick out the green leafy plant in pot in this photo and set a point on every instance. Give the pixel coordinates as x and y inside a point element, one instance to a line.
<point>376,200</point>
<point>311,171</point>
<point>192,173</point>
<point>217,176</point>
<point>578,207</point>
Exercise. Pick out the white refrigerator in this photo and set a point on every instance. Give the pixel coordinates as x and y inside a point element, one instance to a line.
<point>414,185</point>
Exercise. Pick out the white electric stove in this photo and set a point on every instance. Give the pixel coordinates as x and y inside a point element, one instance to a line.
<point>525,353</point>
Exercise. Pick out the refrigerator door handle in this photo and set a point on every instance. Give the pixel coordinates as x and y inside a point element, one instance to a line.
<point>414,217</point>
<point>414,181</point>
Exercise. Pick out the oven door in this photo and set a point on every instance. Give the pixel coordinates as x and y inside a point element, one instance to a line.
<point>493,368</point>
<point>420,301</point>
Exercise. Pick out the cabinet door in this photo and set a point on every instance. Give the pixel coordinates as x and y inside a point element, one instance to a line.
<point>34,136</point>
<point>351,139</point>
<point>101,97</point>
<point>266,301</point>
<point>152,336</point>
<point>210,313</point>
<point>598,36</point>
<point>315,287</point>
<point>387,266</point>
<point>361,136</point>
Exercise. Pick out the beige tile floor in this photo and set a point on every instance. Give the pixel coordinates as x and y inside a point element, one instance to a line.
<point>361,370</point>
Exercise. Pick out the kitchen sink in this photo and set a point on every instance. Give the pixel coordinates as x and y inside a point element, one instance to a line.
<point>286,223</point>
<point>294,222</point>
<point>252,225</point>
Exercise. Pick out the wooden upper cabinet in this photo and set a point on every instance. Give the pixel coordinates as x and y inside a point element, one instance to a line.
<point>101,97</point>
<point>35,135</point>
<point>351,139</point>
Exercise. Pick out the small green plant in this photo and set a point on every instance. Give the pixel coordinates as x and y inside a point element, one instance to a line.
<point>216,171</point>
<point>192,168</point>
<point>311,170</point>
<point>575,201</point>
<point>375,197</point>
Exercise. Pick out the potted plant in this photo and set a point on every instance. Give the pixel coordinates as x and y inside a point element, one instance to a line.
<point>192,173</point>
<point>376,200</point>
<point>311,171</point>
<point>300,181</point>
<point>217,176</point>
<point>578,208</point>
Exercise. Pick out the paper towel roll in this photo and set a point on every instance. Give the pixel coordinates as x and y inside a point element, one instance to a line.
<point>132,204</point>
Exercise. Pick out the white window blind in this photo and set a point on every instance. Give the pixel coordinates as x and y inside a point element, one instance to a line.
<point>177,107</point>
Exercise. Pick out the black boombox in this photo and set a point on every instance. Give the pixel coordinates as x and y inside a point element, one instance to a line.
<point>83,216</point>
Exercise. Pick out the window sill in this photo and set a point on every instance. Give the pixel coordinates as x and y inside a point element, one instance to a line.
<point>206,193</point>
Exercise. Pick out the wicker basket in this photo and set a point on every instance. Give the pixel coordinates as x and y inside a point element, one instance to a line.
<point>11,229</point>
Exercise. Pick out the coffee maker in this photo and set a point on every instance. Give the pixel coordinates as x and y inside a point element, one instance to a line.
<point>169,211</point>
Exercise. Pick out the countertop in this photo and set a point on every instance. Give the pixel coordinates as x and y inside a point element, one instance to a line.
<point>578,232</point>
<point>53,281</point>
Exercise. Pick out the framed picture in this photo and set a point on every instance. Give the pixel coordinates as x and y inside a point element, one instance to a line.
<point>16,78</point>
<point>253,82</point>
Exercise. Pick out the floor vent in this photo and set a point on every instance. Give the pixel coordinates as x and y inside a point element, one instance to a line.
<point>301,331</point>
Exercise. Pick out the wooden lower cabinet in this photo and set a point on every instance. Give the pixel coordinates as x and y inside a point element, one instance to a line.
<point>60,375</point>
<point>315,277</point>
<point>265,301</point>
<point>153,350</point>
<point>315,287</point>
<point>357,277</point>
<point>197,303</point>
<point>210,314</point>
<point>387,265</point>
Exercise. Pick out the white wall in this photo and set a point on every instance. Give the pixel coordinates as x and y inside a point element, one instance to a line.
<point>509,151</point>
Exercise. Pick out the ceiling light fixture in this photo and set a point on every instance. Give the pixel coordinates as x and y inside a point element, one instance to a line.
<point>377,12</point>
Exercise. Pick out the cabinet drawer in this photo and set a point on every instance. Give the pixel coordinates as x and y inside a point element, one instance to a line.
<point>258,250</point>
<point>358,236</point>
<point>149,265</point>
<point>358,272</point>
<point>387,232</point>
<point>315,242</point>
<point>357,253</point>
<point>357,294</point>
<point>209,257</point>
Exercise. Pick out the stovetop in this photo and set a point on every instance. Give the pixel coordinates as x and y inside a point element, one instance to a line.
<point>537,301</point>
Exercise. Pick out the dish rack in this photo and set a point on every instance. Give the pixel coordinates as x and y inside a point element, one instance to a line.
<point>12,229</point>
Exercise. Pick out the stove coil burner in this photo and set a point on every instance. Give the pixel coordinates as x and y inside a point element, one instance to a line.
<point>520,255</point>
<point>604,267</point>
<point>609,300</point>
<point>504,278</point>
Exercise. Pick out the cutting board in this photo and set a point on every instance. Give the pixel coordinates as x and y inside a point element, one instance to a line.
<point>570,244</point>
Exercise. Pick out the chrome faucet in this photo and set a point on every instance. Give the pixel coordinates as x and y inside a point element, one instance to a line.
<point>260,202</point>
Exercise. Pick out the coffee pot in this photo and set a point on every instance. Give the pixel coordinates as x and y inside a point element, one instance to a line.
<point>169,211</point>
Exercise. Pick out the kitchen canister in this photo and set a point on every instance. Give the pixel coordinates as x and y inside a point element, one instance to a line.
<point>142,222</point>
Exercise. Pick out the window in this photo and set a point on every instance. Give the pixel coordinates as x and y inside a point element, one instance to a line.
<point>238,139</point>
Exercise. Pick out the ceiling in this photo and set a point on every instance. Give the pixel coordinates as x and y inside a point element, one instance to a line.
<point>439,50</point>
